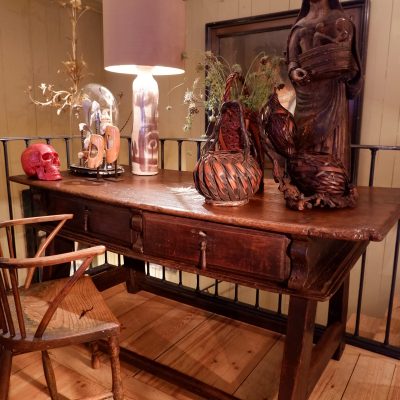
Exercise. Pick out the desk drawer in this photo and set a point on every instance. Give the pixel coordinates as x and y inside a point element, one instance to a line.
<point>245,252</point>
<point>109,223</point>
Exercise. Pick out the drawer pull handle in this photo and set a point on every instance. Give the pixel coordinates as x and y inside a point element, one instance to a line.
<point>203,251</point>
<point>85,220</point>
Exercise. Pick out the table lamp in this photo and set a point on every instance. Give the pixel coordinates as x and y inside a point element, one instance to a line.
<point>144,38</point>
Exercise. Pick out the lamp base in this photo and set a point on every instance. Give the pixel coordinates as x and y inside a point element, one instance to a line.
<point>145,138</point>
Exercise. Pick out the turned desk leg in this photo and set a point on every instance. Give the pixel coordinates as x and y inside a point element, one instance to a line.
<point>338,306</point>
<point>298,349</point>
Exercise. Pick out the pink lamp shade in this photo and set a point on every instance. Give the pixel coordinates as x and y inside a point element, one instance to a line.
<point>149,34</point>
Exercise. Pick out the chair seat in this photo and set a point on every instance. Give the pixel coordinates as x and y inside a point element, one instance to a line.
<point>83,313</point>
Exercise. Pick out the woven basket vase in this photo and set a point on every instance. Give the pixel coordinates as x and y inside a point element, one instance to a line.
<point>227,177</point>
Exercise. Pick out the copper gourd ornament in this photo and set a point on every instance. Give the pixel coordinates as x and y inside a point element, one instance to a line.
<point>227,177</point>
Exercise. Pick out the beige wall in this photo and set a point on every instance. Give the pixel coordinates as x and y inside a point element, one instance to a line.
<point>33,43</point>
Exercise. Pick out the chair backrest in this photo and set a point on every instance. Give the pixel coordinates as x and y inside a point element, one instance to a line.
<point>9,275</point>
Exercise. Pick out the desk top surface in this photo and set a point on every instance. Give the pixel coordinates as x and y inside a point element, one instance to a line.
<point>173,193</point>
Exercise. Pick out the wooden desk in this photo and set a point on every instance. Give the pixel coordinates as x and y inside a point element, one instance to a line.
<point>307,255</point>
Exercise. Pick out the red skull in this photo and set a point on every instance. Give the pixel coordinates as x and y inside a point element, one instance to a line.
<point>42,161</point>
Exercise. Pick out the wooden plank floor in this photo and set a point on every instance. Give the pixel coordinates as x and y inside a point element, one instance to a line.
<point>240,359</point>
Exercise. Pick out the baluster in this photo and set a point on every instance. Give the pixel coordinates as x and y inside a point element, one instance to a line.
<point>360,294</point>
<point>147,268</point>
<point>280,304</point>
<point>393,286</point>
<point>364,256</point>
<point>66,139</point>
<point>130,151</point>
<point>257,303</point>
<point>372,167</point>
<point>7,172</point>
<point>236,296</point>
<point>198,144</point>
<point>162,149</point>
<point>180,278</point>
<point>180,141</point>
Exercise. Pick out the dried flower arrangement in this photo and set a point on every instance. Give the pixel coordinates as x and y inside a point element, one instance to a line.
<point>252,89</point>
<point>74,68</point>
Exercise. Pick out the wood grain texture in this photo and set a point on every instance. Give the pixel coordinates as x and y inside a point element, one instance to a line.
<point>395,385</point>
<point>221,355</point>
<point>263,382</point>
<point>76,378</point>
<point>172,192</point>
<point>158,325</point>
<point>370,383</point>
<point>335,378</point>
<point>80,312</point>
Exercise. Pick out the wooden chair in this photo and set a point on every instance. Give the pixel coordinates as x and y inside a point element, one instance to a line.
<point>54,313</point>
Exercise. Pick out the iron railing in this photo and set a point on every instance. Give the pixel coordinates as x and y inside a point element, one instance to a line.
<point>208,297</point>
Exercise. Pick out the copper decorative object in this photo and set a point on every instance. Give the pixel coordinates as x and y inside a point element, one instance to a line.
<point>228,175</point>
<point>96,151</point>
<point>311,150</point>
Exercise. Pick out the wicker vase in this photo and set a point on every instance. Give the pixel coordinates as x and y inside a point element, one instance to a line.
<point>227,177</point>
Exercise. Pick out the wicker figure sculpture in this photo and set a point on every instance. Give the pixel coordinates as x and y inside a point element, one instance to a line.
<point>311,151</point>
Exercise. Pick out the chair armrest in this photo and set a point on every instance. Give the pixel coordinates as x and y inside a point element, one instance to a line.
<point>36,220</point>
<point>47,261</point>
<point>8,225</point>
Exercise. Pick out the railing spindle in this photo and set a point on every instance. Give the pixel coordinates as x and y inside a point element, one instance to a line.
<point>67,153</point>
<point>279,311</point>
<point>257,303</point>
<point>360,294</point>
<point>236,295</point>
<point>372,167</point>
<point>180,141</point>
<point>162,149</point>
<point>393,286</point>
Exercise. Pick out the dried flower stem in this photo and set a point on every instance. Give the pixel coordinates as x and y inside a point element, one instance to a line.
<point>252,90</point>
<point>73,68</point>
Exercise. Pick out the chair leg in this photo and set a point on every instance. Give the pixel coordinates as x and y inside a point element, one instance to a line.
<point>94,346</point>
<point>49,374</point>
<point>115,368</point>
<point>5,372</point>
